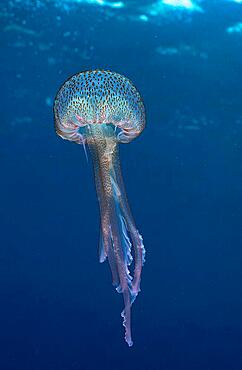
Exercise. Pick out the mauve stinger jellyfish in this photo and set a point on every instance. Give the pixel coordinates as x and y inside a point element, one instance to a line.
<point>102,109</point>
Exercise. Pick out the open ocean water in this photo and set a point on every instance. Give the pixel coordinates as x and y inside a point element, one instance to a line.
<point>58,309</point>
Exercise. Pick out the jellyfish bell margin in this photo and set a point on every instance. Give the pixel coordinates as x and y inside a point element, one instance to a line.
<point>102,109</point>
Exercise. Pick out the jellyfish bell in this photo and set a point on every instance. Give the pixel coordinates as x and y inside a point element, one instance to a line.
<point>98,97</point>
<point>102,109</point>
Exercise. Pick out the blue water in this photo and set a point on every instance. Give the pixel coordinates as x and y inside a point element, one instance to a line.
<point>58,309</point>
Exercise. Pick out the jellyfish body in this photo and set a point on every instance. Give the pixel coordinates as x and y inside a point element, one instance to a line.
<point>102,109</point>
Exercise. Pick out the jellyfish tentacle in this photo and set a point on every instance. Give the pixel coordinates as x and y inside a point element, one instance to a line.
<point>104,151</point>
<point>118,230</point>
<point>117,252</point>
<point>104,237</point>
<point>103,188</point>
<point>124,286</point>
<point>136,238</point>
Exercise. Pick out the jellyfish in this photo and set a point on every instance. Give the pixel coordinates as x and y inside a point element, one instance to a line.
<point>101,109</point>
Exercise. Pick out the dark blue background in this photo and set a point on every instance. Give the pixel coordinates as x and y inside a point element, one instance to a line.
<point>58,310</point>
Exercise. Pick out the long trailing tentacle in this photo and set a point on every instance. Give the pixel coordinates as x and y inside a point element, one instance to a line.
<point>103,188</point>
<point>118,230</point>
<point>137,240</point>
